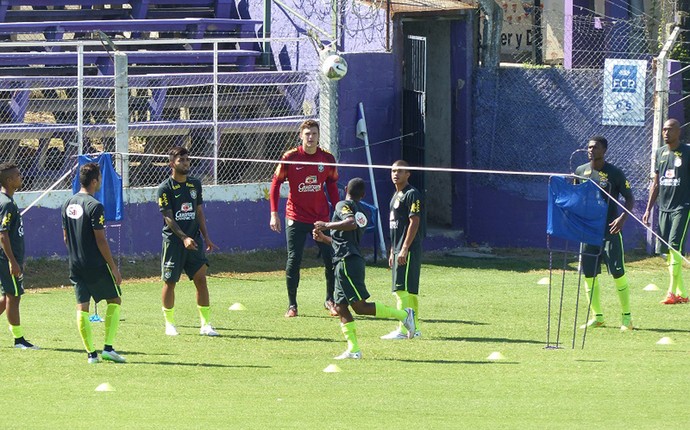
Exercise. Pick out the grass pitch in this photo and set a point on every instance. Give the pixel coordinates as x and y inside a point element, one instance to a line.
<point>267,371</point>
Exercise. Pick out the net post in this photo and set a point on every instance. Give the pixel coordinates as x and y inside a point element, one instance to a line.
<point>121,117</point>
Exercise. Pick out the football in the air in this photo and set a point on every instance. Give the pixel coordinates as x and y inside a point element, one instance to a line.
<point>334,67</point>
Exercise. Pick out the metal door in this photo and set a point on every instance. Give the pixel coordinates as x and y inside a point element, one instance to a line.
<point>414,106</point>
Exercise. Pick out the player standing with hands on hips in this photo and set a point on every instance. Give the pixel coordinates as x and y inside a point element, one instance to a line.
<point>405,258</point>
<point>92,268</point>
<point>671,189</point>
<point>306,204</point>
<point>181,204</point>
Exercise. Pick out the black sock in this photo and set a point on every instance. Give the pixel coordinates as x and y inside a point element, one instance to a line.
<point>108,348</point>
<point>19,340</point>
<point>93,354</point>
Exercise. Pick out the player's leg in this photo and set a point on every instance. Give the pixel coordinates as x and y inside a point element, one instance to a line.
<point>399,287</point>
<point>615,258</point>
<point>296,235</point>
<point>343,290</point>
<point>414,261</point>
<point>104,287</point>
<point>13,288</point>
<point>203,302</point>
<point>83,296</point>
<point>172,263</point>
<point>665,225</point>
<point>677,237</point>
<point>326,251</point>
<point>590,262</point>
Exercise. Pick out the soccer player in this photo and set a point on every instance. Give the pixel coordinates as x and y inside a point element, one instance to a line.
<point>407,232</point>
<point>671,189</point>
<point>92,268</point>
<point>306,204</point>
<point>612,180</point>
<point>347,227</point>
<point>181,203</point>
<point>11,252</point>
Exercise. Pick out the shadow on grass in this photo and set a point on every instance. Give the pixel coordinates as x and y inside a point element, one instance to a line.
<point>452,361</point>
<point>224,366</point>
<point>663,330</point>
<point>488,340</point>
<point>82,351</point>
<point>439,321</point>
<point>284,338</point>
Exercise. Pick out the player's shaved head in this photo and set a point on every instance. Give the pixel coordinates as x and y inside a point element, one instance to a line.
<point>401,163</point>
<point>177,151</point>
<point>6,172</point>
<point>356,188</point>
<point>88,173</point>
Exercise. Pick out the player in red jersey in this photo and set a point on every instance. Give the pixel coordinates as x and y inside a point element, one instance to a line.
<point>306,204</point>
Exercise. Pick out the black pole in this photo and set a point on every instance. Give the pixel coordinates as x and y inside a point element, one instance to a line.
<point>536,29</point>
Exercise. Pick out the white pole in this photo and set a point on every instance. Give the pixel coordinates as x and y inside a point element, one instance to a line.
<point>122,116</point>
<point>80,99</point>
<point>382,243</point>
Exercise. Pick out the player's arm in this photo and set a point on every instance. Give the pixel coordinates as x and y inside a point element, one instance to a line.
<point>320,236</point>
<point>104,248</point>
<point>412,230</point>
<point>15,270</point>
<point>169,220</point>
<point>653,194</point>
<point>274,196</point>
<point>210,246</point>
<point>617,224</point>
<point>348,224</point>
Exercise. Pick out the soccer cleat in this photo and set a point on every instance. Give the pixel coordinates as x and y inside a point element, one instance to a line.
<point>25,344</point>
<point>593,323</point>
<point>113,356</point>
<point>93,358</point>
<point>671,299</point>
<point>682,300</point>
<point>207,330</point>
<point>417,333</point>
<point>394,335</point>
<point>627,323</point>
<point>330,306</point>
<point>291,312</point>
<point>409,323</point>
<point>349,355</point>
<point>170,330</point>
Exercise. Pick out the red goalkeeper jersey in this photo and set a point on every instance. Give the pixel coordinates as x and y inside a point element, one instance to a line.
<point>307,201</point>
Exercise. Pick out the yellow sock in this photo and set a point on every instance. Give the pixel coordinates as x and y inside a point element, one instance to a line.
<point>112,321</point>
<point>350,332</point>
<point>403,303</point>
<point>17,331</point>
<point>85,330</point>
<point>204,315</point>
<point>676,271</point>
<point>169,315</point>
<point>414,304</point>
<point>623,293</point>
<point>383,311</point>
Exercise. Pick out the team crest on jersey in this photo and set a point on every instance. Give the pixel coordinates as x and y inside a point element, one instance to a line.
<point>603,180</point>
<point>320,168</point>
<point>192,193</point>
<point>74,211</point>
<point>396,205</point>
<point>361,220</point>
<point>678,161</point>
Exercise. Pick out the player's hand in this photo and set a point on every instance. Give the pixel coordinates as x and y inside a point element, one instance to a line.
<point>390,260</point>
<point>116,275</point>
<point>210,246</point>
<point>402,257</point>
<point>15,269</point>
<point>645,217</point>
<point>616,225</point>
<point>318,235</point>
<point>319,226</point>
<point>275,222</point>
<point>190,243</point>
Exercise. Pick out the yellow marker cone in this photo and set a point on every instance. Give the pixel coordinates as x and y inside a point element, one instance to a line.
<point>105,387</point>
<point>543,281</point>
<point>237,307</point>
<point>665,341</point>
<point>651,287</point>
<point>332,368</point>
<point>495,356</point>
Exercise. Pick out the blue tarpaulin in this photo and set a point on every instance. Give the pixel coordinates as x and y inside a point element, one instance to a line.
<point>110,194</point>
<point>576,212</point>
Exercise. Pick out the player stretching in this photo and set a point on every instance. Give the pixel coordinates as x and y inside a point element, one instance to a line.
<point>92,268</point>
<point>405,258</point>
<point>306,204</point>
<point>11,253</point>
<point>347,227</point>
<point>671,184</point>
<point>181,203</point>
<point>612,180</point>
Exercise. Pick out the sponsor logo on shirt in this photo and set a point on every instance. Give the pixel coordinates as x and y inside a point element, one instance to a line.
<point>310,185</point>
<point>392,222</point>
<point>186,212</point>
<point>74,211</point>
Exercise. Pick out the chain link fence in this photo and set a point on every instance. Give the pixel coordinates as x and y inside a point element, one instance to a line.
<point>47,120</point>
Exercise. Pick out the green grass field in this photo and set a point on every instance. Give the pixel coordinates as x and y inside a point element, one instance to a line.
<point>267,372</point>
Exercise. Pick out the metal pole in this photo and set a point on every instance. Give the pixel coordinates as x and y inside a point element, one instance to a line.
<point>80,98</point>
<point>266,46</point>
<point>122,116</point>
<point>215,114</point>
